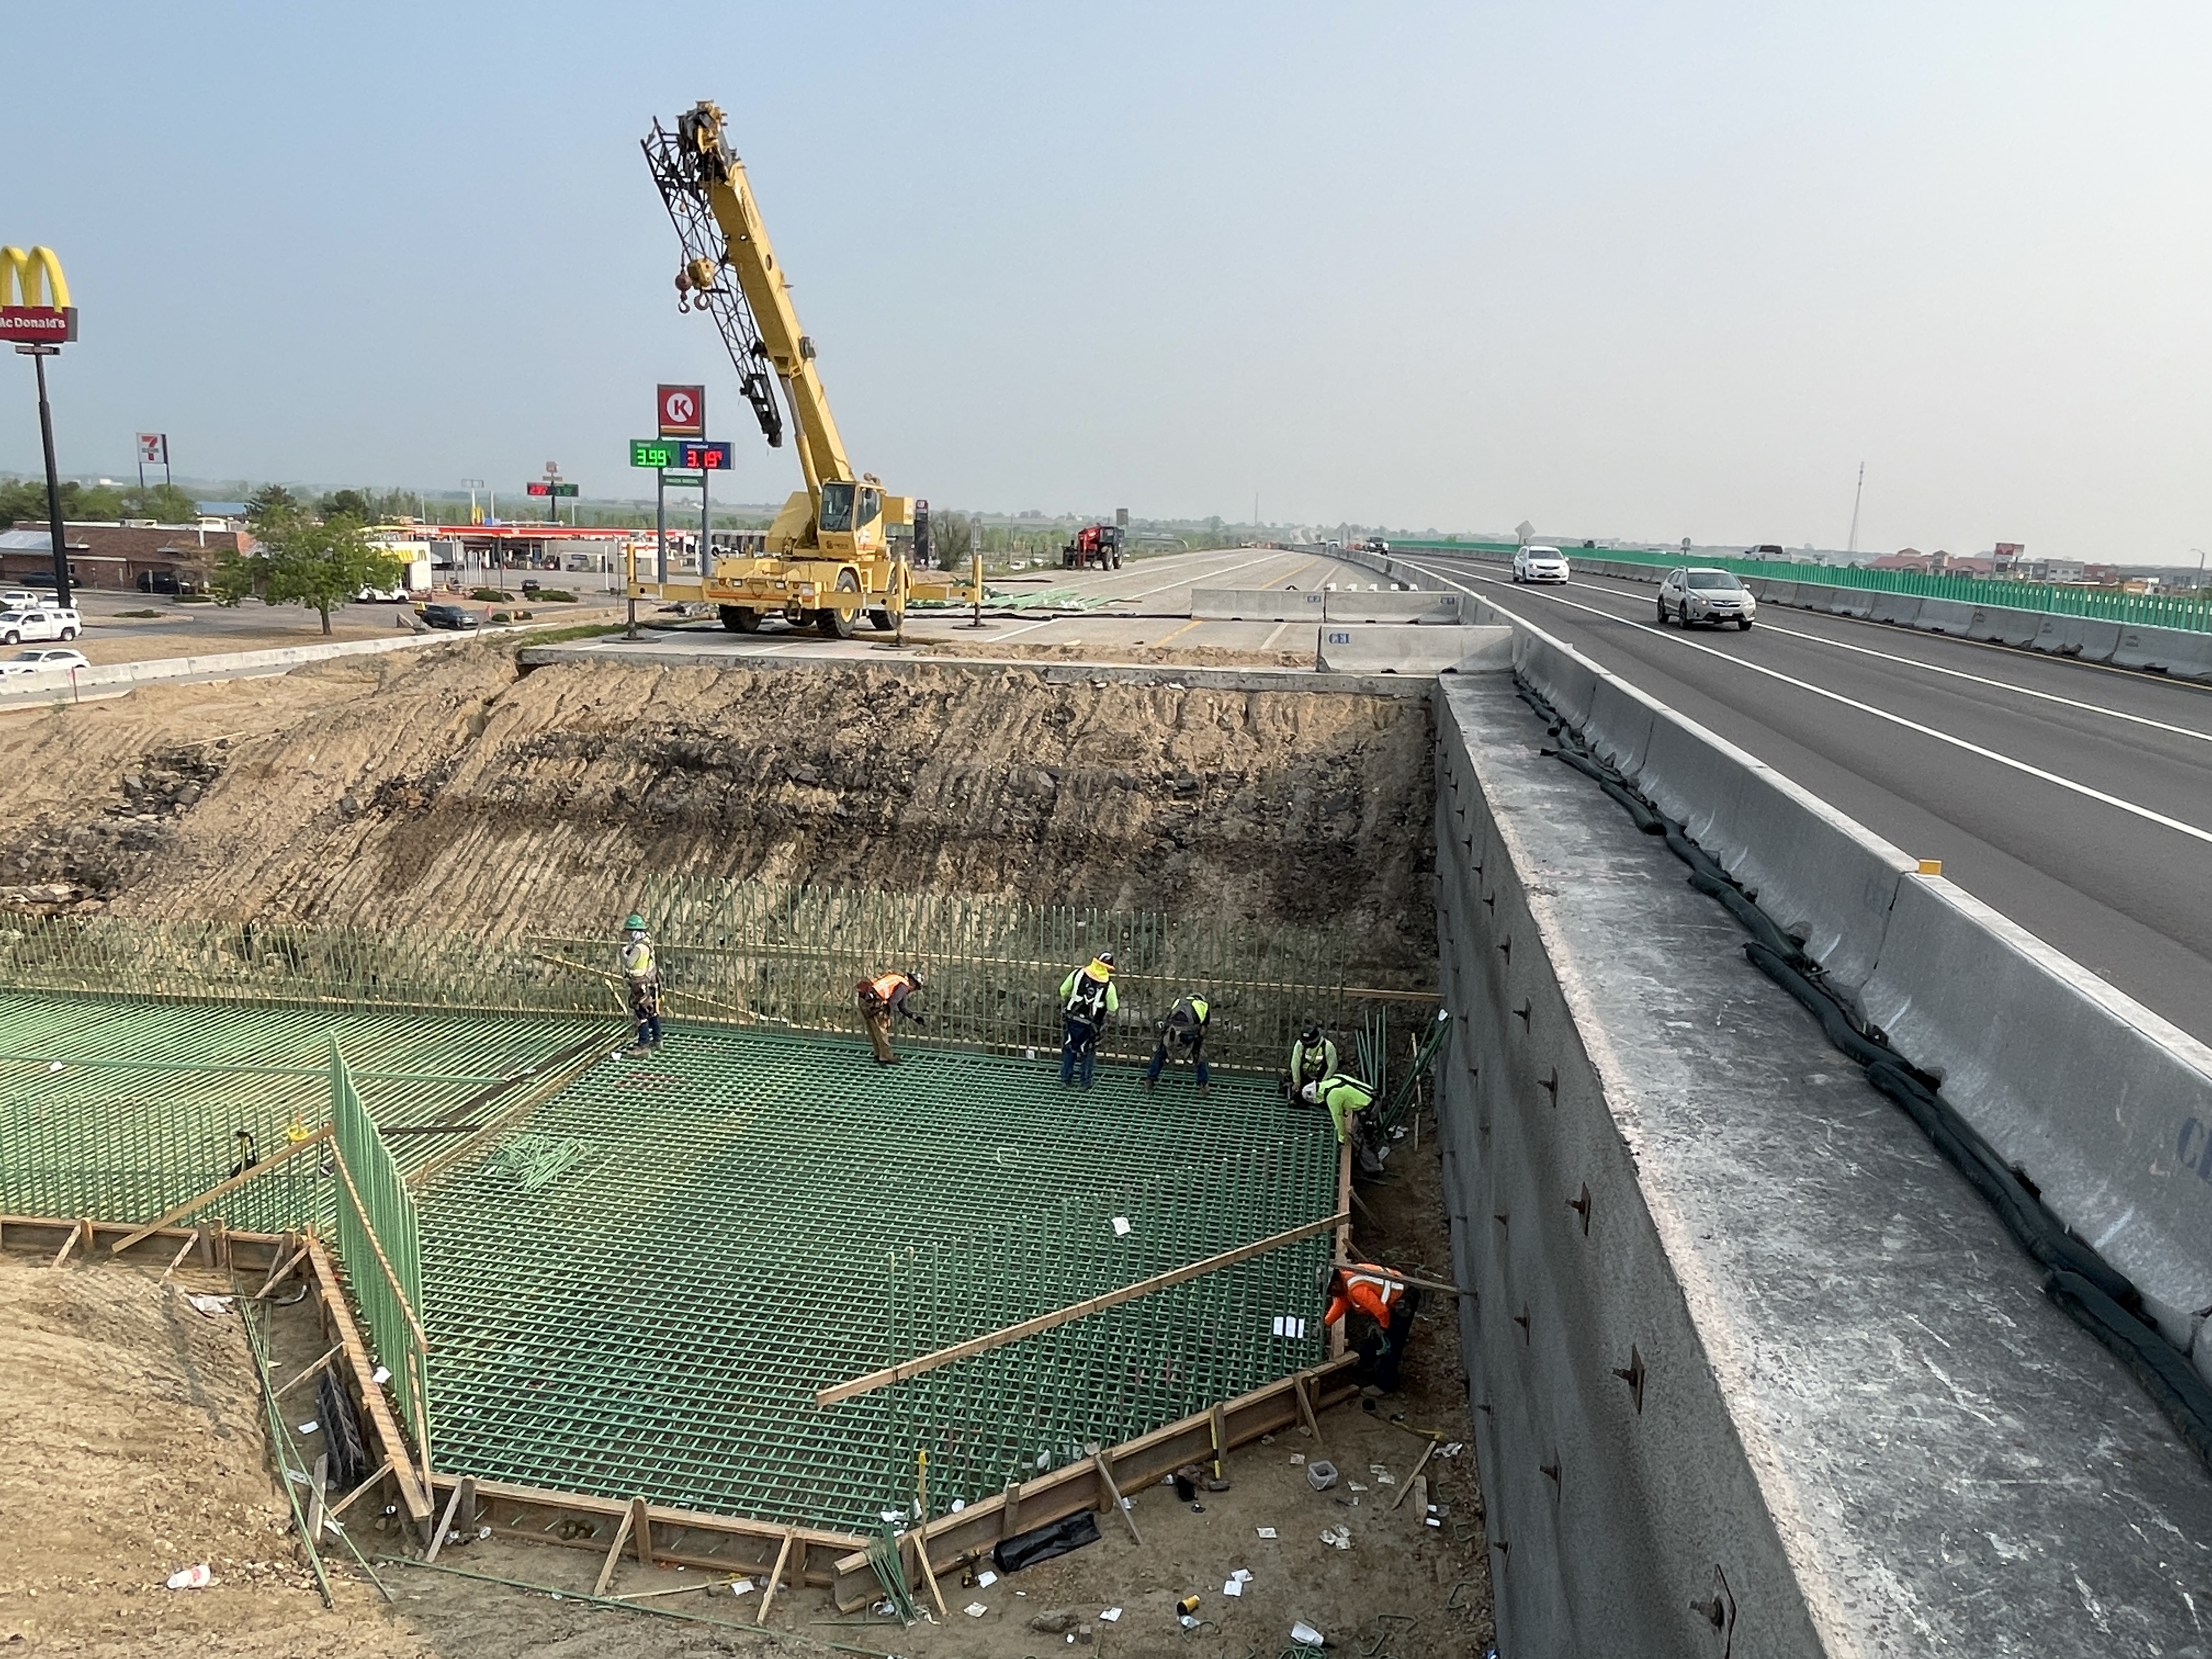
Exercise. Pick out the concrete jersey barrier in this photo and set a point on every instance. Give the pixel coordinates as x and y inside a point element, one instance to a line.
<point>1257,604</point>
<point>111,679</point>
<point>1351,649</point>
<point>2107,1106</point>
<point>1432,606</point>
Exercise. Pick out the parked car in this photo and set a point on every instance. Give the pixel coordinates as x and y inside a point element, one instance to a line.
<point>35,662</point>
<point>18,598</point>
<point>381,596</point>
<point>451,615</point>
<point>1539,564</point>
<point>1705,596</point>
<point>162,581</point>
<point>42,623</point>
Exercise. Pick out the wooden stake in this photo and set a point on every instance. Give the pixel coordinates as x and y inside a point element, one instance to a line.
<point>177,1260</point>
<point>1113,1495</point>
<point>214,1193</point>
<point>641,1531</point>
<point>1410,1479</point>
<point>1220,1438</point>
<point>775,1575</point>
<point>920,1536</point>
<point>444,1524</point>
<point>1011,1511</point>
<point>319,1491</point>
<point>80,1229</point>
<point>282,1270</point>
<point>908,1369</point>
<point>1306,1411</point>
<point>375,1478</point>
<point>614,1554</point>
<point>315,1369</point>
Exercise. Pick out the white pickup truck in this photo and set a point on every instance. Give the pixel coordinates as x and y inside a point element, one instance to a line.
<point>45,621</point>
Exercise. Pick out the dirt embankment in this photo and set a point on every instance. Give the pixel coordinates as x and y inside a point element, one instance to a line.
<point>375,791</point>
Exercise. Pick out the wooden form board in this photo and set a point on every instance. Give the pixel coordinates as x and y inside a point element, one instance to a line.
<point>718,1543</point>
<point>1140,1463</point>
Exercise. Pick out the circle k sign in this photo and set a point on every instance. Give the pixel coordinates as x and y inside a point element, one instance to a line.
<point>683,412</point>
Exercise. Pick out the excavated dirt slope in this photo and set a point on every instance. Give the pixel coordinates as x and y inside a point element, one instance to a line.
<point>407,787</point>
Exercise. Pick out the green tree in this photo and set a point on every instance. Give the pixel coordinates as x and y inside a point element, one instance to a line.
<point>353,504</point>
<point>163,502</point>
<point>318,562</point>
<point>24,501</point>
<point>271,498</point>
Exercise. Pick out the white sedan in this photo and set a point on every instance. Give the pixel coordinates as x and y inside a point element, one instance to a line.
<point>1539,564</point>
<point>18,598</point>
<point>47,622</point>
<point>40,661</point>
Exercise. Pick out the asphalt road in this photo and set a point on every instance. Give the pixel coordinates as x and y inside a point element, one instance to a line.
<point>2074,798</point>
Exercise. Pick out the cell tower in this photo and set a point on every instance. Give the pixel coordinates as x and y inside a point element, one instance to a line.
<point>1851,541</point>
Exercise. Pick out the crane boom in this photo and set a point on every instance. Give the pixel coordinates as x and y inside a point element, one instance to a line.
<point>719,223</point>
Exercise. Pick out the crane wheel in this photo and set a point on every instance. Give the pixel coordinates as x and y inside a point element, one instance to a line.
<point>741,619</point>
<point>883,621</point>
<point>835,624</point>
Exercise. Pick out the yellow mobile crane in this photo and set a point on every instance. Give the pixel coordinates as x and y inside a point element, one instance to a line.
<point>829,553</point>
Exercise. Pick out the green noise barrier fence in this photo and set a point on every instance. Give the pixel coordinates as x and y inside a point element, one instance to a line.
<point>380,1243</point>
<point>2058,598</point>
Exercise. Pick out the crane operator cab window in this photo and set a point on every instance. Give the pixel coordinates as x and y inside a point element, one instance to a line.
<point>869,513</point>
<point>837,506</point>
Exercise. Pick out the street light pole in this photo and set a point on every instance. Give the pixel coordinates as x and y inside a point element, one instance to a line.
<point>38,355</point>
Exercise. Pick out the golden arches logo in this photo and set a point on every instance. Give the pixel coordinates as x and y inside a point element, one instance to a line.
<point>35,279</point>
<point>34,299</point>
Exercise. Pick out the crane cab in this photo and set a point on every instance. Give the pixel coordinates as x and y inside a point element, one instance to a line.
<point>850,522</point>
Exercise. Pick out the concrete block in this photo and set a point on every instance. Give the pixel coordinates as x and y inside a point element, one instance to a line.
<point>1618,725</point>
<point>2006,624</point>
<point>1257,604</point>
<point>1823,877</point>
<point>2060,635</point>
<point>1432,606</point>
<point>1781,593</point>
<point>1848,601</point>
<point>2100,639</point>
<point>2178,652</point>
<point>2106,1106</point>
<point>1351,649</point>
<point>1944,616</point>
<point>1567,678</point>
<point>1899,608</point>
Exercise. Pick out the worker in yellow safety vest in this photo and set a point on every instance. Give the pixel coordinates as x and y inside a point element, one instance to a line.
<point>1344,1095</point>
<point>1087,996</point>
<point>1313,1057</point>
<point>880,998</point>
<point>1183,1030</point>
<point>641,975</point>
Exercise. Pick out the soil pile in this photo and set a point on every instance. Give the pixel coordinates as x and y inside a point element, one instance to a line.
<point>379,791</point>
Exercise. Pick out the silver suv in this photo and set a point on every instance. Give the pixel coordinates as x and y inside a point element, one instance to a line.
<point>1705,596</point>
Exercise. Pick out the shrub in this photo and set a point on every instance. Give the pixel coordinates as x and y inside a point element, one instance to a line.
<point>489,595</point>
<point>557,596</point>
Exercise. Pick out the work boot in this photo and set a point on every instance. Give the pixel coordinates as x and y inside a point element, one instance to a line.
<point>1149,1082</point>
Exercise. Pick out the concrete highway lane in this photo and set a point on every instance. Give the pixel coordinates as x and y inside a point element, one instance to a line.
<point>2075,800</point>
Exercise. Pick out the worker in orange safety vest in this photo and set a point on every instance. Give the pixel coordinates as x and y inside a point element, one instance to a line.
<point>880,998</point>
<point>1389,1303</point>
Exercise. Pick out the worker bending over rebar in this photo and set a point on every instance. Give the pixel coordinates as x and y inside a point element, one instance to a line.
<point>881,998</point>
<point>1183,1031</point>
<point>1388,1306</point>
<point>641,975</point>
<point>1087,996</point>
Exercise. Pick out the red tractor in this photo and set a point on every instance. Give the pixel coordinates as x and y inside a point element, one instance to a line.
<point>1095,546</point>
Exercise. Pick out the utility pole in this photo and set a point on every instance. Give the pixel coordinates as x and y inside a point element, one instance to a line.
<point>1851,541</point>
<point>38,354</point>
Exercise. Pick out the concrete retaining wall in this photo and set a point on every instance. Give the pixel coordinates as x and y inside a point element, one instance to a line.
<point>2094,1093</point>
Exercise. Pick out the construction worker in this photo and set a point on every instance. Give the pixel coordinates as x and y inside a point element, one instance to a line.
<point>1087,996</point>
<point>1183,1028</point>
<point>1313,1057</point>
<point>880,998</point>
<point>641,974</point>
<point>1366,1289</point>
<point>1345,1095</point>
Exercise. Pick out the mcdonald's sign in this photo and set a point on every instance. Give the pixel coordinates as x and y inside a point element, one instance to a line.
<point>34,303</point>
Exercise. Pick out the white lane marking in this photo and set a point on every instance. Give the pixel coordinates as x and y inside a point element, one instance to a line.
<point>2036,772</point>
<point>1125,598</point>
<point>1933,668</point>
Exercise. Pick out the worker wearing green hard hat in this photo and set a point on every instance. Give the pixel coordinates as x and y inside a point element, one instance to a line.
<point>641,974</point>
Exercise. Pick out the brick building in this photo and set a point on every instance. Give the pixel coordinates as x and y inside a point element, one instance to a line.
<point>120,557</point>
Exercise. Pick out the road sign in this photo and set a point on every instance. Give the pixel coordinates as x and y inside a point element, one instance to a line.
<point>683,412</point>
<point>651,452</point>
<point>701,456</point>
<point>549,489</point>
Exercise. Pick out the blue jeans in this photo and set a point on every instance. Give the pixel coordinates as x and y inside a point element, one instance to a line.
<point>647,1012</point>
<point>1078,1051</point>
<point>1160,1060</point>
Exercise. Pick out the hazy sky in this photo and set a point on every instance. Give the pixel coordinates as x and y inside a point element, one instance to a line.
<point>1624,270</point>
